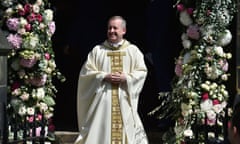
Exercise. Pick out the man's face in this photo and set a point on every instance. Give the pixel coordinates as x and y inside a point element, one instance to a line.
<point>115,30</point>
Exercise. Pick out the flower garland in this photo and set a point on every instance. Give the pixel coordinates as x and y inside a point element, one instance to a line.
<point>29,26</point>
<point>199,93</point>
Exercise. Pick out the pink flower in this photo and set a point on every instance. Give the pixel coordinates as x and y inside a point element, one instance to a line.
<point>28,27</point>
<point>38,17</point>
<point>27,8</point>
<point>47,56</point>
<point>205,96</point>
<point>13,24</point>
<point>180,7</point>
<point>190,11</point>
<point>39,117</point>
<point>31,119</point>
<point>178,68</point>
<point>15,40</point>
<point>52,27</point>
<point>21,12</point>
<point>215,102</point>
<point>193,32</point>
<point>28,63</point>
<point>225,66</point>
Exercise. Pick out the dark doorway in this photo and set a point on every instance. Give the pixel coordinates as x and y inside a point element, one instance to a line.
<point>82,24</point>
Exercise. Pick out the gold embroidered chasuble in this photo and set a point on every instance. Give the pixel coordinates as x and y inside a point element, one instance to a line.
<point>107,113</point>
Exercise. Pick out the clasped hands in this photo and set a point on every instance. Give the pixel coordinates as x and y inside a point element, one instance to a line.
<point>115,78</point>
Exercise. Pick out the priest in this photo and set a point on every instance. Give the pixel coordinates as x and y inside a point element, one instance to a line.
<point>109,86</point>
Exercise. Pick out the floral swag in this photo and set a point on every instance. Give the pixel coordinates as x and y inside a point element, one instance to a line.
<point>29,26</point>
<point>199,87</point>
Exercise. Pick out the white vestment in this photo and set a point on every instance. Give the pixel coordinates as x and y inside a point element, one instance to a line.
<point>94,99</point>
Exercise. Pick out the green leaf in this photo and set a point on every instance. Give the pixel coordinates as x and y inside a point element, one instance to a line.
<point>49,101</point>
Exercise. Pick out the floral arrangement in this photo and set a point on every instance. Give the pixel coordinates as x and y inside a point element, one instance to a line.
<point>29,26</point>
<point>199,93</point>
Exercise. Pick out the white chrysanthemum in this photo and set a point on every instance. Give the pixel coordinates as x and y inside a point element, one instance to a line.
<point>185,18</point>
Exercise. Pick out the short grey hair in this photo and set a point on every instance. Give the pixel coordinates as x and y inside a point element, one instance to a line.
<point>124,23</point>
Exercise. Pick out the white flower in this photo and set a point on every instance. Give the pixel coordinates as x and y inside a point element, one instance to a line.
<point>228,55</point>
<point>186,43</point>
<point>219,51</point>
<point>40,93</point>
<point>36,8</point>
<point>24,96</point>
<point>22,22</point>
<point>48,15</point>
<point>184,36</point>
<point>219,107</point>
<point>30,111</point>
<point>16,92</point>
<point>188,133</point>
<point>224,77</point>
<point>225,38</point>
<point>43,107</point>
<point>31,42</point>
<point>211,115</point>
<point>185,18</point>
<point>206,105</point>
<point>22,110</point>
<point>39,2</point>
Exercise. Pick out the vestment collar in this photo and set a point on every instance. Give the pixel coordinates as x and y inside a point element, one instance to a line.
<point>121,45</point>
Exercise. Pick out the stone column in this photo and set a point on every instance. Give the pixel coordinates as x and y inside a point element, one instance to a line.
<point>4,49</point>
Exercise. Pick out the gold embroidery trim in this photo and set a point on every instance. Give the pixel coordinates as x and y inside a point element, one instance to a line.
<point>117,124</point>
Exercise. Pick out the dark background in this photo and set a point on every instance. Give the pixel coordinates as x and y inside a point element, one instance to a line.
<point>80,25</point>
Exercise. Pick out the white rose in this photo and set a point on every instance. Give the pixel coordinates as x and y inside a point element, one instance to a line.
<point>48,15</point>
<point>186,44</point>
<point>219,51</point>
<point>225,38</point>
<point>185,18</point>
<point>206,105</point>
<point>36,8</point>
